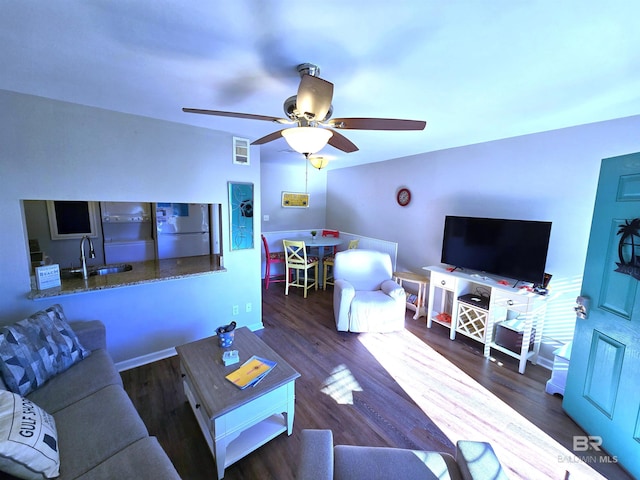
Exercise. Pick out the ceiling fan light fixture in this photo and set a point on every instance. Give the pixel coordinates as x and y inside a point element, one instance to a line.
<point>307,140</point>
<point>319,162</point>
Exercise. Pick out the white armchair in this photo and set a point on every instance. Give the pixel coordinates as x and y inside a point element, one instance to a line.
<point>365,296</point>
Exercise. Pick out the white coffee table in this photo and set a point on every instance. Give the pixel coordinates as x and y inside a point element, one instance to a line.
<point>236,422</point>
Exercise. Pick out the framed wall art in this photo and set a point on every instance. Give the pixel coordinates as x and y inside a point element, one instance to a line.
<point>296,200</point>
<point>241,215</point>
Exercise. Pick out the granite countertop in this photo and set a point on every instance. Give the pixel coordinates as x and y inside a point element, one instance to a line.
<point>142,272</point>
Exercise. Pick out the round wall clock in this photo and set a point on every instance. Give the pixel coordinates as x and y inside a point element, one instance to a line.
<point>403,197</point>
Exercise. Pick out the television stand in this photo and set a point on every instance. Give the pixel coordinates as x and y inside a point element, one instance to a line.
<point>479,322</point>
<point>481,277</point>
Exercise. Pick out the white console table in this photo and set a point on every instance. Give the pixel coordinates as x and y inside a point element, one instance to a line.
<point>505,303</point>
<point>558,380</point>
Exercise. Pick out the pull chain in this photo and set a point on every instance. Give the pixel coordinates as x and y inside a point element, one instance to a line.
<point>306,173</point>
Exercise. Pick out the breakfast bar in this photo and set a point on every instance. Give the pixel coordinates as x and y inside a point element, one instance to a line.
<point>140,273</point>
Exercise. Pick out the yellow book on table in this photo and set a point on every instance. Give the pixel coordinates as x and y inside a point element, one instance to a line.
<point>251,372</point>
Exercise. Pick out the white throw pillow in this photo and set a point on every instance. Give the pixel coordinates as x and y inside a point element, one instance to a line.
<point>28,439</point>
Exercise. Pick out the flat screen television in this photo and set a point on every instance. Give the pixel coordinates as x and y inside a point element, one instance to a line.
<point>515,249</point>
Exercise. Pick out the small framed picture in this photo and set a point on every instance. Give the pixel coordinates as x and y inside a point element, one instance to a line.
<point>295,200</point>
<point>241,151</point>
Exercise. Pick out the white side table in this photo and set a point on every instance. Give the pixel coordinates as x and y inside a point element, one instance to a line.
<point>558,379</point>
<point>422,282</point>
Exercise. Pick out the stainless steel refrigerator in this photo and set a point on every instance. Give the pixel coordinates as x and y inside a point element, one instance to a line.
<point>183,229</point>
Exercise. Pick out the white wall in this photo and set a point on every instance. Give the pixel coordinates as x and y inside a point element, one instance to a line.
<point>62,151</point>
<point>546,176</point>
<point>294,176</point>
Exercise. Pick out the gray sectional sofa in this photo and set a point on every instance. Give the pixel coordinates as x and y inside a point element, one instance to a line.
<point>320,459</point>
<point>99,432</point>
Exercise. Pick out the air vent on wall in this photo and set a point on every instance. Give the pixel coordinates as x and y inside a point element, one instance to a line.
<point>240,151</point>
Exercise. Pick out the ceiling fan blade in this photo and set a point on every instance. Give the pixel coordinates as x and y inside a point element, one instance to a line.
<point>314,97</point>
<point>249,116</point>
<point>341,142</point>
<point>268,138</point>
<point>376,124</point>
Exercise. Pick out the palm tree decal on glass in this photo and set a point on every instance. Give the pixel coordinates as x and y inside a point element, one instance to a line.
<point>629,261</point>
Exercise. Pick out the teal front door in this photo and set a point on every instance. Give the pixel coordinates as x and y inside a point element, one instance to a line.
<point>603,383</point>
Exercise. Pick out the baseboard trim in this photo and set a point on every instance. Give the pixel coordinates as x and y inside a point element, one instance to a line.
<point>255,326</point>
<point>162,354</point>
<point>144,359</point>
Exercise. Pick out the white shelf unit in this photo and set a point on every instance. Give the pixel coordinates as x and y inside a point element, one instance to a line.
<point>558,380</point>
<point>506,302</point>
<point>442,300</point>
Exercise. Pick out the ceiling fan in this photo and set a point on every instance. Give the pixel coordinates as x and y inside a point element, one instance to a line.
<point>310,111</point>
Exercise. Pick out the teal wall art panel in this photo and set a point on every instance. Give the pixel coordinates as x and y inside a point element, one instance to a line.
<point>241,215</point>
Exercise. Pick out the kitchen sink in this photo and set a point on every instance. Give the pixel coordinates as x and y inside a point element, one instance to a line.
<point>107,269</point>
<point>96,270</point>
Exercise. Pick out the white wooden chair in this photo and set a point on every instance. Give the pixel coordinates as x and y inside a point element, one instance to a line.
<point>297,260</point>
<point>272,258</point>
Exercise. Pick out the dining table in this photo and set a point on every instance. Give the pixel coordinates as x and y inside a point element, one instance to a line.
<point>321,243</point>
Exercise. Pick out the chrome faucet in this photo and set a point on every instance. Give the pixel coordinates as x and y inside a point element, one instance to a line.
<point>83,258</point>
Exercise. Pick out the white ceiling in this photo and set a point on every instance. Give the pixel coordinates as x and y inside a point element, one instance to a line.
<point>474,70</point>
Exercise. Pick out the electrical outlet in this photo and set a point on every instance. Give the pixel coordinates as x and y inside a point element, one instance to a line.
<point>248,307</point>
<point>236,309</point>
<point>265,218</point>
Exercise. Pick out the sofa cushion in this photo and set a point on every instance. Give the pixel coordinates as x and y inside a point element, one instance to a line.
<point>92,334</point>
<point>87,377</point>
<point>143,460</point>
<point>28,439</point>
<point>316,455</point>
<point>477,460</point>
<point>95,428</point>
<point>36,349</point>
<point>370,463</point>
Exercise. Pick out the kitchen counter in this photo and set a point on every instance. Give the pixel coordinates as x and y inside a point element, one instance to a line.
<point>142,272</point>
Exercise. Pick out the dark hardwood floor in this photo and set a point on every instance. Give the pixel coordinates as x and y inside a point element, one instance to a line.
<point>412,389</point>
